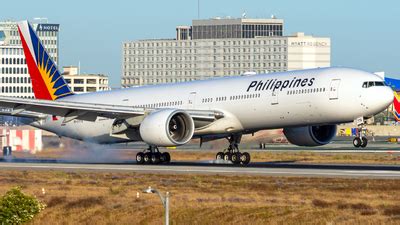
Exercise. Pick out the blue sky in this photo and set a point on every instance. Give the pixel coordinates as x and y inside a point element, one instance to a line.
<point>364,34</point>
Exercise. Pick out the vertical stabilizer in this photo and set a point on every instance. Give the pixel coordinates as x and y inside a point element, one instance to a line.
<point>47,82</point>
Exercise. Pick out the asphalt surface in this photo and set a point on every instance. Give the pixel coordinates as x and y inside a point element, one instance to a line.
<point>278,168</point>
<point>214,168</point>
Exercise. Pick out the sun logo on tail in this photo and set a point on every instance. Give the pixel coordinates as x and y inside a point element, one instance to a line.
<point>55,84</point>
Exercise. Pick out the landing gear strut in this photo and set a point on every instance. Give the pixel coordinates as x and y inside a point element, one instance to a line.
<point>361,139</point>
<point>152,156</point>
<point>232,153</point>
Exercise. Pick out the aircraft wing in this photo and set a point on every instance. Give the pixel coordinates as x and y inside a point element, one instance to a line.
<point>87,111</point>
<point>26,114</point>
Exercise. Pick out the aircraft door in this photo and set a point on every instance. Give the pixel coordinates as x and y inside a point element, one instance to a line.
<point>334,89</point>
<point>192,100</point>
<point>274,97</point>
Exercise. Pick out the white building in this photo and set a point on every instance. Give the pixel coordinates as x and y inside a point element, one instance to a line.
<point>160,61</point>
<point>14,77</point>
<point>81,83</point>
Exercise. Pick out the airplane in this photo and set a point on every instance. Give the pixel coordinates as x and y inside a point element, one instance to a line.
<point>396,107</point>
<point>306,104</point>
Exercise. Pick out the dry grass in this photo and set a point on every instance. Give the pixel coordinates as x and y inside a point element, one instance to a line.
<point>110,198</point>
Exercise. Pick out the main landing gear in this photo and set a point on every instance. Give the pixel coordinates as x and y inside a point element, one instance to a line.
<point>232,153</point>
<point>152,156</point>
<point>361,139</point>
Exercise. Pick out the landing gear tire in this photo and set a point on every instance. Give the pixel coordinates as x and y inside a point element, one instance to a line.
<point>245,158</point>
<point>357,142</point>
<point>364,141</point>
<point>140,158</point>
<point>219,156</point>
<point>236,157</point>
<point>147,158</point>
<point>166,157</point>
<point>155,158</point>
<point>227,156</point>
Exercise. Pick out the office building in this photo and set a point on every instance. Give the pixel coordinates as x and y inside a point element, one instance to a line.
<point>82,83</point>
<point>197,54</point>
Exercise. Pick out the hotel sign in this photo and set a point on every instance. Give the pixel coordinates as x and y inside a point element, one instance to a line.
<point>309,44</point>
<point>47,27</point>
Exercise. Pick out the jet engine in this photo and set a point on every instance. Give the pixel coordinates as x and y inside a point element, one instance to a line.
<point>167,127</point>
<point>310,135</point>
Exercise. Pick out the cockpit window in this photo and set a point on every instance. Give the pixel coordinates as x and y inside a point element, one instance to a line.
<point>372,83</point>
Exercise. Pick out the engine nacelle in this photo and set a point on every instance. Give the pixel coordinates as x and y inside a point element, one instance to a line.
<point>167,127</point>
<point>310,135</point>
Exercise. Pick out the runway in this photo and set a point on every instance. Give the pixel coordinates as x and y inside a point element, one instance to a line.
<point>270,168</point>
<point>212,168</point>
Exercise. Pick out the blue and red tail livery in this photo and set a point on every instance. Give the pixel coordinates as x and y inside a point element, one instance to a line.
<point>47,82</point>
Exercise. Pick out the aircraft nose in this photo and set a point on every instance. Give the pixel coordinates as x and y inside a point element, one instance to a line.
<point>378,99</point>
<point>387,96</point>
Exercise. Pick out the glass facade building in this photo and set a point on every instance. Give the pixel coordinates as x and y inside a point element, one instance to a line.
<point>233,28</point>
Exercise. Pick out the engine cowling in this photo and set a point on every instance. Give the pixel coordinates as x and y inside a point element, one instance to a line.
<point>167,127</point>
<point>310,135</point>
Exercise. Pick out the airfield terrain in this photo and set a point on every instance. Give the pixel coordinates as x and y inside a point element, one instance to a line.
<point>93,185</point>
<point>77,197</point>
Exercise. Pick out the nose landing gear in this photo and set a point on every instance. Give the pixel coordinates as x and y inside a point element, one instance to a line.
<point>361,139</point>
<point>360,142</point>
<point>152,156</point>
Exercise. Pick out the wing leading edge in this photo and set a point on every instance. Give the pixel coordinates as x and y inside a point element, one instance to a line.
<point>89,111</point>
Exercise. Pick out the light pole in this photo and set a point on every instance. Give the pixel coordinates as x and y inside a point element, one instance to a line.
<point>164,201</point>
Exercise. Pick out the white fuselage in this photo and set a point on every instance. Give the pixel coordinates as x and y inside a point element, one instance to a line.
<point>249,103</point>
